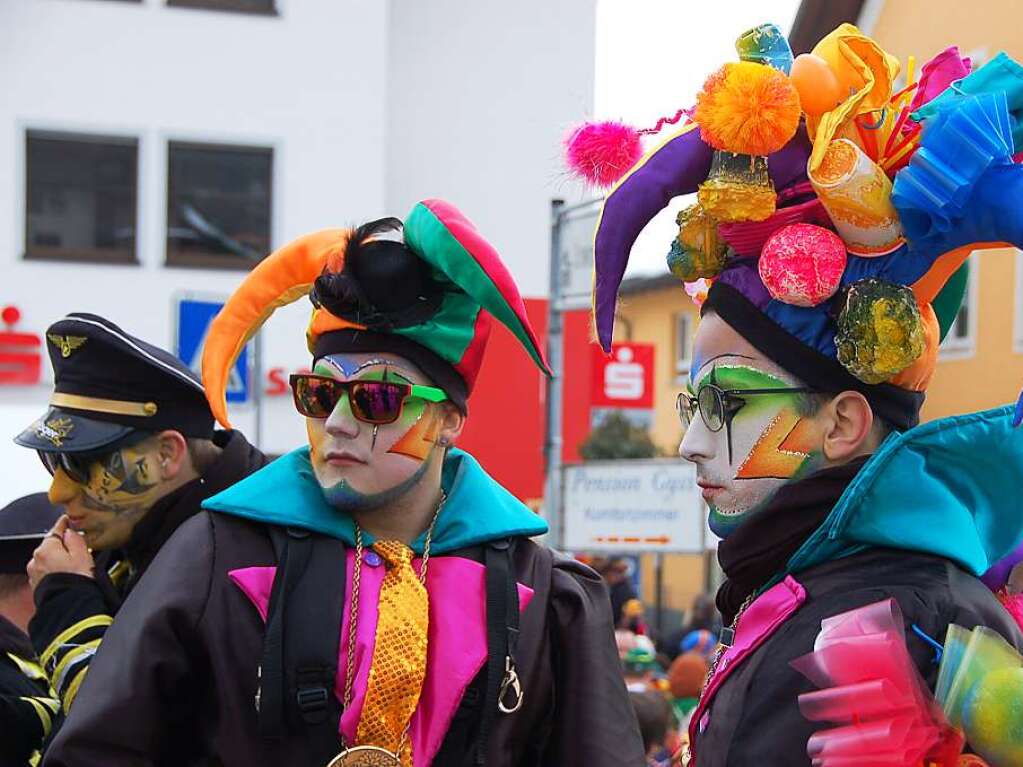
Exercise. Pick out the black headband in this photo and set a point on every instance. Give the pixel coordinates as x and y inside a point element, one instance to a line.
<point>899,407</point>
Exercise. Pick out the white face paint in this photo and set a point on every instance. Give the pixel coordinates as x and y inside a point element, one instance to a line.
<point>762,445</point>
<point>358,465</point>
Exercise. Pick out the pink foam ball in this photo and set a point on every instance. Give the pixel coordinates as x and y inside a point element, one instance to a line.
<point>602,152</point>
<point>802,264</point>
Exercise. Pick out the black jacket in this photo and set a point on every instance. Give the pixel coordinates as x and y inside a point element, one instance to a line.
<point>753,719</point>
<point>178,672</point>
<point>27,706</point>
<point>73,612</point>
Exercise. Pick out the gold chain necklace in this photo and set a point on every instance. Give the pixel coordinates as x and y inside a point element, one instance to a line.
<point>686,755</point>
<point>374,756</point>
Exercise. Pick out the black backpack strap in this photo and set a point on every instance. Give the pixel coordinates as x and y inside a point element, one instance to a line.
<point>502,691</point>
<point>270,691</point>
<point>300,651</point>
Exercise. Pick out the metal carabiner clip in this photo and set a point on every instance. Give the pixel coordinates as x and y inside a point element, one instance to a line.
<point>510,681</point>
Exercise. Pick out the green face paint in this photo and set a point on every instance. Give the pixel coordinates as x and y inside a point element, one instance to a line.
<point>771,444</point>
<point>360,466</point>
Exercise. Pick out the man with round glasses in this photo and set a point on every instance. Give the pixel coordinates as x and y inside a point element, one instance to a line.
<point>129,441</point>
<point>817,342</point>
<point>373,597</point>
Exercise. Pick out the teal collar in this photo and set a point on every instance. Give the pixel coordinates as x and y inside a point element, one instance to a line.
<point>949,487</point>
<point>286,492</point>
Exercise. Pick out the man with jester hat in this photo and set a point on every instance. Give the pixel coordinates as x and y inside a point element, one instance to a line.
<point>372,598</point>
<point>833,222</point>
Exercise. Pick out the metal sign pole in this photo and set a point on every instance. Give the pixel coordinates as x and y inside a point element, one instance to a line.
<point>555,358</point>
<point>659,593</point>
<point>256,388</point>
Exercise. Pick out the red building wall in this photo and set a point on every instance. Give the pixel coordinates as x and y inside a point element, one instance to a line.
<point>505,428</point>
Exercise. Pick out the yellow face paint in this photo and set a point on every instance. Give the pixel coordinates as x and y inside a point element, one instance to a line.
<point>63,489</point>
<point>121,488</point>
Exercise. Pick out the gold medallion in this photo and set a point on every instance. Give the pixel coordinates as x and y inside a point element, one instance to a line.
<point>365,756</point>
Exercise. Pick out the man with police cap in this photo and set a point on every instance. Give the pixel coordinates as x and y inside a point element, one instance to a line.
<point>27,706</point>
<point>129,440</point>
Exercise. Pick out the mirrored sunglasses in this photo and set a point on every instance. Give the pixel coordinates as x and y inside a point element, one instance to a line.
<point>372,402</point>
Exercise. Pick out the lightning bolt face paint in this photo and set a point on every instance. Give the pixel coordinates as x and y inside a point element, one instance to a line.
<point>772,443</point>
<point>360,467</point>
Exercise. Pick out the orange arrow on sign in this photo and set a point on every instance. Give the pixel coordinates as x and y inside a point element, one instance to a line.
<point>662,539</point>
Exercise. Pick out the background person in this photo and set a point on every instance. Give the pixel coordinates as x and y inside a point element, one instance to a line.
<point>129,440</point>
<point>27,705</point>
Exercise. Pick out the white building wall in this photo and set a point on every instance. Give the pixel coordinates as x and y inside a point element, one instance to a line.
<point>309,82</point>
<point>481,93</point>
<point>368,105</point>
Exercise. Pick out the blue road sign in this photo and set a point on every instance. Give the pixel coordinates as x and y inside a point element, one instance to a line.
<point>194,318</point>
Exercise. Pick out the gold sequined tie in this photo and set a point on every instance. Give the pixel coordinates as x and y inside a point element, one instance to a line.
<point>398,668</point>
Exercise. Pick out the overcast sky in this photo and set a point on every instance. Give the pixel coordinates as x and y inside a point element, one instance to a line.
<point>652,58</point>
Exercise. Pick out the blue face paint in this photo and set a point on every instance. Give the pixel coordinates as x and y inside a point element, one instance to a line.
<point>390,467</point>
<point>348,366</point>
<point>343,497</point>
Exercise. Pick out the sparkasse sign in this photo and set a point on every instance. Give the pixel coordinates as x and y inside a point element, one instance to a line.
<point>623,379</point>
<point>644,505</point>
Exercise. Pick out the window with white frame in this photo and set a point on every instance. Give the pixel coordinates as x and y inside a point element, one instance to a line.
<point>961,340</point>
<point>683,344</point>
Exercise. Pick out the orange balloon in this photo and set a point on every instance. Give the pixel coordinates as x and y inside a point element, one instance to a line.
<point>817,84</point>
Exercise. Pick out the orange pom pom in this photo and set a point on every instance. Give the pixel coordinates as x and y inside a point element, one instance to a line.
<point>747,108</point>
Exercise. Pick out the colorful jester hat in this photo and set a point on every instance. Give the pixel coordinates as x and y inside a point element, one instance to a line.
<point>428,298</point>
<point>834,215</point>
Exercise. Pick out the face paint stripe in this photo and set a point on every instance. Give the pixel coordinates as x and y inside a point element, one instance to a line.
<point>420,439</point>
<point>781,450</point>
<point>341,366</point>
<point>699,365</point>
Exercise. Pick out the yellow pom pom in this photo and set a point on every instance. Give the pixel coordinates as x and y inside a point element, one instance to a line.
<point>747,108</point>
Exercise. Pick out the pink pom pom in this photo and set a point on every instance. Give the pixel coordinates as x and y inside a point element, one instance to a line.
<point>1013,603</point>
<point>601,153</point>
<point>698,290</point>
<point>802,264</point>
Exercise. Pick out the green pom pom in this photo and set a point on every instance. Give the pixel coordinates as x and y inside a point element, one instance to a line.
<point>697,252</point>
<point>880,330</point>
<point>679,263</point>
